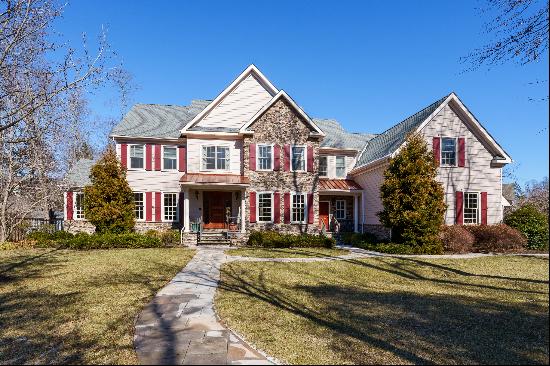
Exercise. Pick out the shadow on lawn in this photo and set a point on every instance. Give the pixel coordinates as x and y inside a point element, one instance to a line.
<point>412,328</point>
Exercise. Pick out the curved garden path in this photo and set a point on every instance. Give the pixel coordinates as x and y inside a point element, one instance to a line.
<point>180,326</point>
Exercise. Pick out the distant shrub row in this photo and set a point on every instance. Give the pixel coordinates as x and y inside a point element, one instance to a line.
<point>273,239</point>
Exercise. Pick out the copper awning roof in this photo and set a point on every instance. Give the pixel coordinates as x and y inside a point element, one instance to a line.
<point>230,179</point>
<point>338,185</point>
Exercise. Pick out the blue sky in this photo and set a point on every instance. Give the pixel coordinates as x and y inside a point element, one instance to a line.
<point>367,64</point>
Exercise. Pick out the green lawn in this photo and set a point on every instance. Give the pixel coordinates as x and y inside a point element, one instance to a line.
<point>392,310</point>
<point>59,306</point>
<point>286,253</point>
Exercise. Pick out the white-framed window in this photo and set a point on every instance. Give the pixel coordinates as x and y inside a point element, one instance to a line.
<point>169,158</point>
<point>298,208</point>
<point>78,206</point>
<point>136,156</point>
<point>298,158</point>
<point>265,157</point>
<point>448,151</point>
<point>139,208</point>
<point>471,209</point>
<point>215,157</point>
<point>340,166</point>
<point>323,166</point>
<point>265,207</point>
<point>170,207</point>
<point>340,209</point>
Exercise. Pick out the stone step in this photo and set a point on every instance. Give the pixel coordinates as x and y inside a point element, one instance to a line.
<point>214,242</point>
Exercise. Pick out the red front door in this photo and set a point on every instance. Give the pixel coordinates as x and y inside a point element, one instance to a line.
<point>215,205</point>
<point>324,214</point>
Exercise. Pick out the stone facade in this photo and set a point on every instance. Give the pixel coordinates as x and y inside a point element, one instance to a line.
<point>78,226</point>
<point>83,226</point>
<point>281,125</point>
<point>346,224</point>
<point>381,232</point>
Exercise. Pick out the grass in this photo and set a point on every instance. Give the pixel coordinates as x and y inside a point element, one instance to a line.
<point>60,306</point>
<point>286,252</point>
<point>491,310</point>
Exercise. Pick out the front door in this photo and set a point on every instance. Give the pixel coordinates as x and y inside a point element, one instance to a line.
<point>215,205</point>
<point>324,214</point>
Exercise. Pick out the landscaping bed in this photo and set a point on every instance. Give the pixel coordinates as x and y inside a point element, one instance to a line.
<point>286,252</point>
<point>490,310</point>
<point>63,306</point>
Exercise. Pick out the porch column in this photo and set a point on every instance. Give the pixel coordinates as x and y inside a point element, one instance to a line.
<point>243,214</point>
<point>186,210</point>
<point>356,213</point>
<point>363,211</point>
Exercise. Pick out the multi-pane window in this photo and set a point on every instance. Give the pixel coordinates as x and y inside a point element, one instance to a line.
<point>215,157</point>
<point>136,156</point>
<point>448,151</point>
<point>79,206</point>
<point>298,211</point>
<point>471,208</point>
<point>265,205</point>
<point>323,166</point>
<point>298,158</point>
<point>170,207</point>
<point>340,166</point>
<point>265,157</point>
<point>170,158</point>
<point>340,209</point>
<point>139,209</point>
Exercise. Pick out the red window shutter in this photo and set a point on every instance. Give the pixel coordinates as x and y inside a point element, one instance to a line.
<point>69,206</point>
<point>310,208</point>
<point>459,219</point>
<point>158,206</point>
<point>484,208</point>
<point>148,157</point>
<point>252,206</point>
<point>287,208</point>
<point>182,158</point>
<point>461,152</point>
<point>437,149</point>
<point>149,206</point>
<point>180,207</point>
<point>252,154</point>
<point>124,155</point>
<point>286,160</point>
<point>276,207</point>
<point>276,158</point>
<point>158,155</point>
<point>310,158</point>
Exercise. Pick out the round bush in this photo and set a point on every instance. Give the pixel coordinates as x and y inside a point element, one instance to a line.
<point>497,238</point>
<point>532,223</point>
<point>456,239</point>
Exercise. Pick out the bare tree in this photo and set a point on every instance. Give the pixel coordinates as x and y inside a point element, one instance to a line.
<point>519,32</point>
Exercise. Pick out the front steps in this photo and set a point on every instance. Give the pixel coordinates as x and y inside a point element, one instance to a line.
<point>213,238</point>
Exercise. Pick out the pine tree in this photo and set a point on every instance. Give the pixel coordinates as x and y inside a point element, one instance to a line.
<point>109,201</point>
<point>413,200</point>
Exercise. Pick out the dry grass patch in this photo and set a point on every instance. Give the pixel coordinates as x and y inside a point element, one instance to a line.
<point>491,310</point>
<point>286,252</point>
<point>60,306</point>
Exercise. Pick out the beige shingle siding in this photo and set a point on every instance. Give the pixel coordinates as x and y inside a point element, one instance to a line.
<point>371,182</point>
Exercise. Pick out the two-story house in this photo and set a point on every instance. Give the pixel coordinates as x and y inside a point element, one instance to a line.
<point>252,159</point>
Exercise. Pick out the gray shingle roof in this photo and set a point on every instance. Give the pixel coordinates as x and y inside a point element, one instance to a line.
<point>336,137</point>
<point>390,140</point>
<point>156,120</point>
<point>79,174</point>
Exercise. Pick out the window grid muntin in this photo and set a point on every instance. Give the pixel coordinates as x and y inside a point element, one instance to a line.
<point>170,212</point>
<point>136,156</point>
<point>298,154</point>
<point>448,151</point>
<point>471,208</point>
<point>139,208</point>
<point>265,157</point>
<point>340,166</point>
<point>79,206</point>
<point>298,211</point>
<point>340,210</point>
<point>323,166</point>
<point>215,158</point>
<point>265,207</point>
<point>170,158</point>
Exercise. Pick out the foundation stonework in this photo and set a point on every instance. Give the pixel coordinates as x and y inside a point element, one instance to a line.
<point>381,232</point>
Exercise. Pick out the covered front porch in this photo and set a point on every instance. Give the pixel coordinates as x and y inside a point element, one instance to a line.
<point>339,205</point>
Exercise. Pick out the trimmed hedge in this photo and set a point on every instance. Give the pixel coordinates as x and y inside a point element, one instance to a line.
<point>356,239</point>
<point>497,238</point>
<point>273,239</point>
<point>531,223</point>
<point>167,237</point>
<point>457,239</point>
<point>83,241</point>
